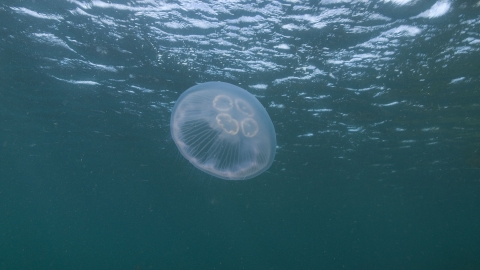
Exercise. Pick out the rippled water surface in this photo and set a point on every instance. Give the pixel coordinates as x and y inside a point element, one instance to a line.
<point>376,106</point>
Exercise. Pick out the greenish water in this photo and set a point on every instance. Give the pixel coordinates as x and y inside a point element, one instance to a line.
<point>377,165</point>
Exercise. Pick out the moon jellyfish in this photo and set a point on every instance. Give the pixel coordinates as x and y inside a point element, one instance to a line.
<point>223,130</point>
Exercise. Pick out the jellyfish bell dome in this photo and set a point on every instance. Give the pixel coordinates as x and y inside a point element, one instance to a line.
<point>223,130</point>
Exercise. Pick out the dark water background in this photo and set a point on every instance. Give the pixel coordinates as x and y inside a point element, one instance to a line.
<point>376,106</point>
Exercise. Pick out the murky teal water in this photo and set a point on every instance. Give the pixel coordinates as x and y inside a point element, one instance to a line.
<point>375,105</point>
